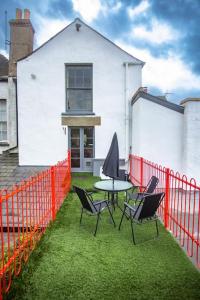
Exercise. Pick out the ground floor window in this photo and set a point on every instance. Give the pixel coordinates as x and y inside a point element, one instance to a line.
<point>81,144</point>
<point>3,120</point>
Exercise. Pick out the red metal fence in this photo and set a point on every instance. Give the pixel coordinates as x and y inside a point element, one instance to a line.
<point>25,212</point>
<point>180,211</point>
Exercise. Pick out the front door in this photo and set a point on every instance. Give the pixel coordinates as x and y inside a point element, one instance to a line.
<point>81,144</point>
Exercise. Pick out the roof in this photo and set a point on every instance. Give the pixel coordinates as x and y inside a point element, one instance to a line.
<point>189,100</point>
<point>157,100</point>
<point>138,61</point>
<point>3,65</point>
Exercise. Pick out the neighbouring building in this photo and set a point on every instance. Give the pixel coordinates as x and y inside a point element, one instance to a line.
<point>76,90</point>
<point>21,44</point>
<point>3,103</point>
<point>167,133</point>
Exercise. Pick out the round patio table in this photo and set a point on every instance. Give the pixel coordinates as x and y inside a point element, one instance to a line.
<point>113,187</point>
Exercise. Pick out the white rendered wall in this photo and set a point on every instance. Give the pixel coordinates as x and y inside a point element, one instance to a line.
<point>4,95</point>
<point>41,98</point>
<point>191,157</point>
<point>157,134</point>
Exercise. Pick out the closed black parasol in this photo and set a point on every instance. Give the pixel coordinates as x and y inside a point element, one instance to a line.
<point>111,163</point>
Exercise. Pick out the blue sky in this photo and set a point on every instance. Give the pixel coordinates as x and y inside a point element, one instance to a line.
<point>163,33</point>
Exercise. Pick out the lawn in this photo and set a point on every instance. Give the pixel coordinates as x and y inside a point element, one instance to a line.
<point>70,263</point>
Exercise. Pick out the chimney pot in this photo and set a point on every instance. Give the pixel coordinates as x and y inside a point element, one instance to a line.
<point>18,14</point>
<point>27,14</point>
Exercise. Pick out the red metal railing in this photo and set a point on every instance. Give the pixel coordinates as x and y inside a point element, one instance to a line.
<point>25,212</point>
<point>180,210</point>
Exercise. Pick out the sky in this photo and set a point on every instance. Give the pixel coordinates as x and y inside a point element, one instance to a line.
<point>163,33</point>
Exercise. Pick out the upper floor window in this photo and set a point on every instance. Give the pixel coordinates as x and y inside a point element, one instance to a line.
<point>3,120</point>
<point>79,88</point>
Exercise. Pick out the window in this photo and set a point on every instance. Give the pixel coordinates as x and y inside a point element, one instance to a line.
<point>3,120</point>
<point>79,88</point>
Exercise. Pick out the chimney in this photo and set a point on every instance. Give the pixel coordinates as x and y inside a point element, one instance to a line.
<point>27,14</point>
<point>18,13</point>
<point>21,39</point>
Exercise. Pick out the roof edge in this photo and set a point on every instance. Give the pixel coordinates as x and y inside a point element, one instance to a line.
<point>184,101</point>
<point>140,62</point>
<point>157,100</point>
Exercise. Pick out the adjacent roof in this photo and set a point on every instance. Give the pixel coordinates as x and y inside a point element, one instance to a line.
<point>139,62</point>
<point>141,94</point>
<point>189,100</point>
<point>3,65</point>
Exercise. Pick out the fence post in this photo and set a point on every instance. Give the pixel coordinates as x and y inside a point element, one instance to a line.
<point>141,173</point>
<point>53,193</point>
<point>166,208</point>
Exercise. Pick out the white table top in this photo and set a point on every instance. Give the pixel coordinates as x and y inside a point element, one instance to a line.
<point>118,186</point>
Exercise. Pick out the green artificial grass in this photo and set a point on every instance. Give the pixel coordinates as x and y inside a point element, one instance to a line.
<point>70,263</point>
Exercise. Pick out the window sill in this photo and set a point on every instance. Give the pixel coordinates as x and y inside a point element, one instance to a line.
<point>4,144</point>
<point>78,113</point>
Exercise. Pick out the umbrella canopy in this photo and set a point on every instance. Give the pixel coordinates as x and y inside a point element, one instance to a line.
<point>111,163</point>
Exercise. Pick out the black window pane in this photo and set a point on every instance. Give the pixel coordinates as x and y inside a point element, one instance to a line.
<point>88,153</point>
<point>75,143</point>
<point>75,133</point>
<point>79,100</point>
<point>75,153</point>
<point>88,132</point>
<point>75,163</point>
<point>79,76</point>
<point>88,143</point>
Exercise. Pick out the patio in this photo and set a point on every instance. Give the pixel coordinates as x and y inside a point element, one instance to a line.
<point>70,263</point>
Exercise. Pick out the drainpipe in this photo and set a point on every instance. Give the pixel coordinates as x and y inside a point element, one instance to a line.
<point>126,119</point>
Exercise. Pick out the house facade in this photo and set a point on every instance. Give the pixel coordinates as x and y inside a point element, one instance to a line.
<point>74,92</point>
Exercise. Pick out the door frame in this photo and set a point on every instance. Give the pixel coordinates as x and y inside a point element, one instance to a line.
<point>81,129</point>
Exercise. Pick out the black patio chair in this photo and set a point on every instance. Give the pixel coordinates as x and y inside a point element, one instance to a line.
<point>144,212</point>
<point>92,208</point>
<point>149,189</point>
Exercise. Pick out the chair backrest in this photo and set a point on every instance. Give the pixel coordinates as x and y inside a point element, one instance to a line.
<point>148,206</point>
<point>152,184</point>
<point>84,198</point>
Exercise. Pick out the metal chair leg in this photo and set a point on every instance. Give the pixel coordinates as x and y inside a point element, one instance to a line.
<point>81,216</point>
<point>111,215</point>
<point>157,228</point>
<point>132,232</point>
<point>122,218</point>
<point>97,224</point>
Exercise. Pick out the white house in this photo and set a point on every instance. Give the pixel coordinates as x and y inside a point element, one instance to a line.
<point>167,133</point>
<point>74,92</point>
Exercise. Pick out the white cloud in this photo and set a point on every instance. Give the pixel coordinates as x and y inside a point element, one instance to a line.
<point>139,9</point>
<point>116,7</point>
<point>158,34</point>
<point>166,74</point>
<point>88,9</point>
<point>47,28</point>
<point>4,52</point>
